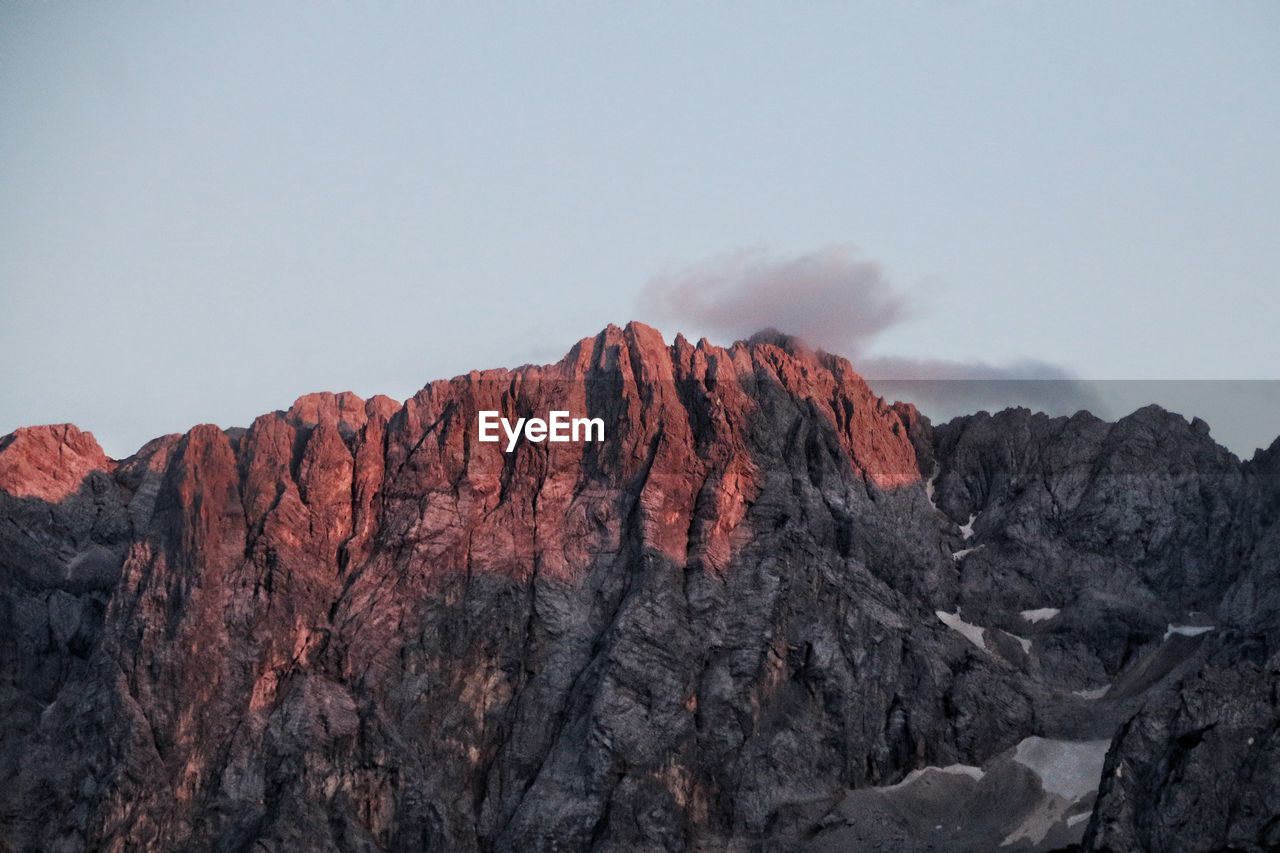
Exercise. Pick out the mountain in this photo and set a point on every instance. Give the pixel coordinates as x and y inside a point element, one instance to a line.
<point>769,611</point>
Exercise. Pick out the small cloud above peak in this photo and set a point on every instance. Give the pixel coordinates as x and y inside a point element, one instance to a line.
<point>831,297</point>
<point>835,299</point>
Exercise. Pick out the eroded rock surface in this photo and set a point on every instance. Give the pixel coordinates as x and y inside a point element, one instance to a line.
<point>352,626</point>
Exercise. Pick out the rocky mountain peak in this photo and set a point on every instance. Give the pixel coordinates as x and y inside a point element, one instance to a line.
<point>48,462</point>
<point>767,610</point>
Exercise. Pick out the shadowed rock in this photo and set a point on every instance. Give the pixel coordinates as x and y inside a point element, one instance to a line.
<point>353,626</point>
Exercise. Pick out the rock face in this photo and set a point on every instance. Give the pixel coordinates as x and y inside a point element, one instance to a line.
<point>766,596</point>
<point>48,463</point>
<point>1200,771</point>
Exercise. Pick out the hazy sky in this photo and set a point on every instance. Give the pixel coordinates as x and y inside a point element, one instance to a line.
<point>207,209</point>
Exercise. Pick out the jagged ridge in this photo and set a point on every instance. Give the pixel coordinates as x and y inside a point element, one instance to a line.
<point>353,626</point>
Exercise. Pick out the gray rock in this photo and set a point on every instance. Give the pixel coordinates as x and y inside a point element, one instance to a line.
<point>352,626</point>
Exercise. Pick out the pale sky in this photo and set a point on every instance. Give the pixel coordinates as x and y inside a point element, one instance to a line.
<point>208,209</point>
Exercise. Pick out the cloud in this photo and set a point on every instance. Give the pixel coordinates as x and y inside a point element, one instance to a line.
<point>831,298</point>
<point>932,369</point>
<point>836,299</point>
<point>944,399</point>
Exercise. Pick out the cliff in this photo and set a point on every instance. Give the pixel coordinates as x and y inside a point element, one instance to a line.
<point>353,626</point>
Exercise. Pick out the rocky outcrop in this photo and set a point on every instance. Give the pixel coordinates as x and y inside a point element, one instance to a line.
<point>355,626</point>
<point>1199,772</point>
<point>49,462</point>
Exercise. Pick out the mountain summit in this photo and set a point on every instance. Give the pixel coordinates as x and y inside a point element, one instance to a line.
<point>769,611</point>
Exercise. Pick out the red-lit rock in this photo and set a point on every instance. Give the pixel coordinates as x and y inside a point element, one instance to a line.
<point>353,625</point>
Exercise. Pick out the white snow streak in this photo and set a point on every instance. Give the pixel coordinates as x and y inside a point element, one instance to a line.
<point>1067,768</point>
<point>1188,630</point>
<point>1041,615</point>
<point>970,632</point>
<point>974,773</point>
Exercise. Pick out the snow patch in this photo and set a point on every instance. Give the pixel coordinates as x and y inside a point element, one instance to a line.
<point>1068,772</point>
<point>1042,614</point>
<point>1068,768</point>
<point>969,631</point>
<point>974,773</point>
<point>1093,693</point>
<point>966,530</point>
<point>960,555</point>
<point>928,487</point>
<point>1022,641</point>
<point>1077,819</point>
<point>1039,821</point>
<point>1188,630</point>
